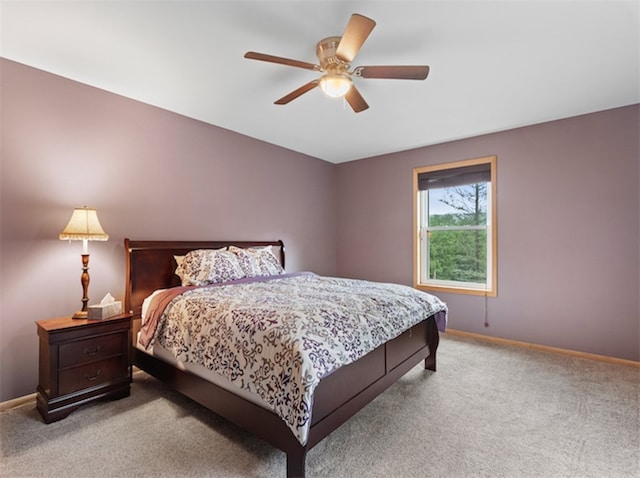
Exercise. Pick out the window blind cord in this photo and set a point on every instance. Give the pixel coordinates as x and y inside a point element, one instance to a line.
<point>486,312</point>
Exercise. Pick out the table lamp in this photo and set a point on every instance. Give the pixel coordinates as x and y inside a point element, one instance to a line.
<point>84,224</point>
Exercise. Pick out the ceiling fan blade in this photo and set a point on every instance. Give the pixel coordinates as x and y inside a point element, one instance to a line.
<point>355,34</point>
<point>393,72</point>
<point>295,93</point>
<point>252,55</point>
<point>355,100</point>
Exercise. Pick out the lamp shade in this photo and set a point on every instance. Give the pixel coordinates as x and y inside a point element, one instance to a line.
<point>84,225</point>
<point>335,85</point>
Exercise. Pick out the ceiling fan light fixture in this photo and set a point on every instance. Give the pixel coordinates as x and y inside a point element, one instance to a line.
<point>335,85</point>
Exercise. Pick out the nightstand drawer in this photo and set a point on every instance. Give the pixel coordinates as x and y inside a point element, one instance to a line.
<point>91,375</point>
<point>90,350</point>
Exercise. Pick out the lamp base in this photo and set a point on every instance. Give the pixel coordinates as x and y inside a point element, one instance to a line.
<point>81,314</point>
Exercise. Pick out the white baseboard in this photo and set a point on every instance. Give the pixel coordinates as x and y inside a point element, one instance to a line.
<point>544,348</point>
<point>18,402</point>
<point>31,398</point>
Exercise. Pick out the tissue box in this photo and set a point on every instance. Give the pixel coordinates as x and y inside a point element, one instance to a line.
<point>104,311</point>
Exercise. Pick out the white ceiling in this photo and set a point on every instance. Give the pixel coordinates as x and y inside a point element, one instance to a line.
<point>495,65</point>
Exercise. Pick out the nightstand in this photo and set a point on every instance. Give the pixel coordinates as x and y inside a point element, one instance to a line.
<point>82,361</point>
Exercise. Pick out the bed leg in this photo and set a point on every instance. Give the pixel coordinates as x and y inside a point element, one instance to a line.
<point>433,339</point>
<point>296,463</point>
<point>430,362</point>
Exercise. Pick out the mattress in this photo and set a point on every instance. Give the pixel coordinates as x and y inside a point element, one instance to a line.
<point>159,352</point>
<point>277,336</point>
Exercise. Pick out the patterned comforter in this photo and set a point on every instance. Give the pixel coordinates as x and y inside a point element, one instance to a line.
<point>278,336</point>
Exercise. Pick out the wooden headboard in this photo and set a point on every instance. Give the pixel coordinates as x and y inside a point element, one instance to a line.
<point>150,265</point>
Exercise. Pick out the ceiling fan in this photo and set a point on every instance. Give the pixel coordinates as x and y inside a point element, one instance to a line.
<point>335,55</point>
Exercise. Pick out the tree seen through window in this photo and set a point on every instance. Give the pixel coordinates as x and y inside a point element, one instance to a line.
<point>458,254</point>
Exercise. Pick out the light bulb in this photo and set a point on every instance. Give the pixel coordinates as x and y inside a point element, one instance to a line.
<point>335,84</point>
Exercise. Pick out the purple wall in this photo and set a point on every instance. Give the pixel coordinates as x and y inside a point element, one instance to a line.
<point>568,230</point>
<point>151,174</point>
<point>568,211</point>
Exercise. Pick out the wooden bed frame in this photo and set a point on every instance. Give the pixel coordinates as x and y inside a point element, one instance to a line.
<point>150,265</point>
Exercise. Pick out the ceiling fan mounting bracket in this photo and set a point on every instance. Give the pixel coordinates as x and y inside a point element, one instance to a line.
<point>357,72</point>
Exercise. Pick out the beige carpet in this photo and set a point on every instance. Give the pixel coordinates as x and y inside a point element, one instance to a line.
<point>490,411</point>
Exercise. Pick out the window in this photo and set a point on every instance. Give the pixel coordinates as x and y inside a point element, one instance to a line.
<point>455,227</point>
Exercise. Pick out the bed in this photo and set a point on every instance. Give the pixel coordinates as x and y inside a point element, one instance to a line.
<point>335,396</point>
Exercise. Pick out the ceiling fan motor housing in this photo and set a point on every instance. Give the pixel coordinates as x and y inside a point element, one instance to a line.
<point>326,52</point>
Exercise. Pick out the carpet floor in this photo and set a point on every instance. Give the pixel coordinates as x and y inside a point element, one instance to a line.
<point>491,410</point>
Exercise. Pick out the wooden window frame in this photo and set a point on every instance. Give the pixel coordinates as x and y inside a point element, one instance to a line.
<point>492,287</point>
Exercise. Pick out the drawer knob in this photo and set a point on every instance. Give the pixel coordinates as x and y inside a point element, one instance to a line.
<point>92,352</point>
<point>91,378</point>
